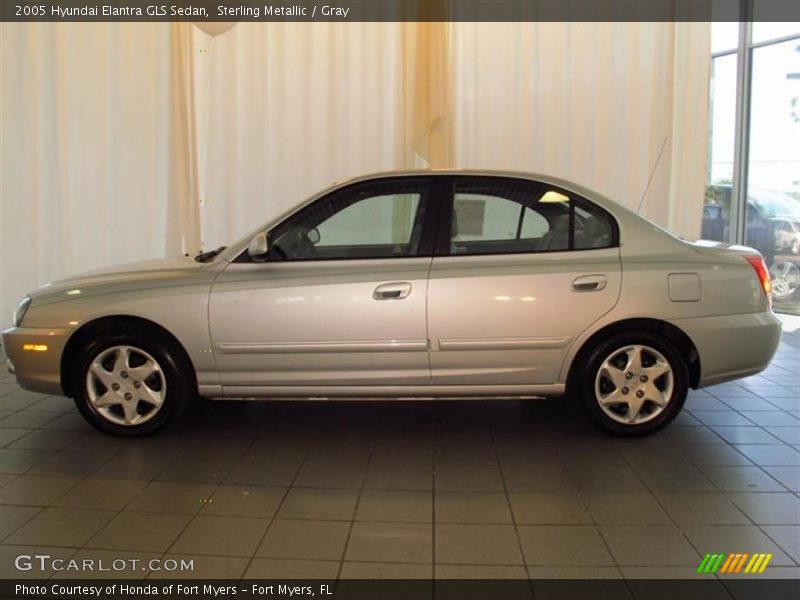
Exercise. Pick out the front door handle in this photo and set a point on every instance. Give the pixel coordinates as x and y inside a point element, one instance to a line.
<point>392,291</point>
<point>590,283</point>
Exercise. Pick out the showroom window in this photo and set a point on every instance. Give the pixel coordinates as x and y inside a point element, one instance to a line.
<point>371,220</point>
<point>505,217</point>
<point>753,171</point>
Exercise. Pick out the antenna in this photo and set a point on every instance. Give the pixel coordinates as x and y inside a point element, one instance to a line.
<point>653,172</point>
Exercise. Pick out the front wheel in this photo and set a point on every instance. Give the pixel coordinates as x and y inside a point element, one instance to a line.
<point>129,385</point>
<point>635,384</point>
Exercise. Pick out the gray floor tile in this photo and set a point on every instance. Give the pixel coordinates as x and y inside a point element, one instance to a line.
<point>221,536</point>
<point>549,509</point>
<point>101,493</point>
<point>531,478</point>
<point>330,473</point>
<point>390,542</point>
<point>594,478</point>
<point>196,470</point>
<point>264,472</point>
<point>316,540</point>
<point>395,505</point>
<point>9,435</point>
<point>43,439</point>
<point>377,570</point>
<point>271,568</point>
<point>745,435</point>
<point>469,478</point>
<point>322,504</point>
<point>168,497</point>
<point>443,571</point>
<point>713,454</point>
<point>647,545</point>
<point>20,460</point>
<point>568,546</point>
<point>477,544</point>
<point>14,517</point>
<point>154,532</point>
<point>769,509</point>
<point>721,417</point>
<point>770,455</point>
<point>675,478</point>
<point>610,508</point>
<point>472,507</point>
<point>244,501</point>
<point>75,464</point>
<point>789,435</point>
<point>414,476</point>
<point>771,417</point>
<point>788,537</point>
<point>129,466</point>
<point>712,509</point>
<point>742,479</point>
<point>36,490</point>
<point>60,527</point>
<point>789,477</point>
<point>691,435</point>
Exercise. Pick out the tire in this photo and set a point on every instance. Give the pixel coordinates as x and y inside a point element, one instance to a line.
<point>149,377</point>
<point>639,372</point>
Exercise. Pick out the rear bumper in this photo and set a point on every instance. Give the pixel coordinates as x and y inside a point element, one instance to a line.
<point>34,357</point>
<point>732,346</point>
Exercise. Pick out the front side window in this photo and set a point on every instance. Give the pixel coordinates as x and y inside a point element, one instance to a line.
<point>369,220</point>
<point>507,216</point>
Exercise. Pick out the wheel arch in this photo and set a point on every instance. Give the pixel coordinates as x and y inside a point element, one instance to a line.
<point>89,330</point>
<point>669,331</point>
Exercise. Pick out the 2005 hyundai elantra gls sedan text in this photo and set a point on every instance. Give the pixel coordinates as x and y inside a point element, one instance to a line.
<point>402,285</point>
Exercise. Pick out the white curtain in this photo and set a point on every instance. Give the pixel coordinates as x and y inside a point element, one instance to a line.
<point>95,151</point>
<point>594,103</point>
<point>286,109</point>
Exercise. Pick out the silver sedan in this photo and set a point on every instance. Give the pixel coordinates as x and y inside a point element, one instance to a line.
<point>405,285</point>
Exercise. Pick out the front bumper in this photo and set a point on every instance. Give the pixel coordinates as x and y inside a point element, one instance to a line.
<point>732,346</point>
<point>34,357</point>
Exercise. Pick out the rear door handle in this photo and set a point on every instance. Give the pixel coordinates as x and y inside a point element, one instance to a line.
<point>392,291</point>
<point>590,283</point>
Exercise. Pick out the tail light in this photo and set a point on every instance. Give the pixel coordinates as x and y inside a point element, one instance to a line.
<point>760,267</point>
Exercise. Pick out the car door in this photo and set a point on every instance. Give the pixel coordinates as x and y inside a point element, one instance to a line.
<point>523,270</point>
<point>339,300</point>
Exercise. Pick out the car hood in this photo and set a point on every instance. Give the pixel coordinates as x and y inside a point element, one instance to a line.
<point>149,273</point>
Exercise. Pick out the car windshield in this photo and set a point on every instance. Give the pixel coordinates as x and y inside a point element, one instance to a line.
<point>776,204</point>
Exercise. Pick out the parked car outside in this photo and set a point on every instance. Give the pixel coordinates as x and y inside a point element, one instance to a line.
<point>405,285</point>
<point>787,234</point>
<point>772,219</point>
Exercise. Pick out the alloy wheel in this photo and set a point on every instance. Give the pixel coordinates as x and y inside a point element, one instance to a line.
<point>125,385</point>
<point>634,384</point>
<point>785,278</point>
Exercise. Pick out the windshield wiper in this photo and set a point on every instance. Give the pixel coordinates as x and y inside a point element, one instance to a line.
<point>208,255</point>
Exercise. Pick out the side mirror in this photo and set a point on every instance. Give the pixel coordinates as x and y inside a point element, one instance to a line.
<point>258,248</point>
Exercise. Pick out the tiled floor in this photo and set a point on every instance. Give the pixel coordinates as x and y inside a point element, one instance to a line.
<point>410,490</point>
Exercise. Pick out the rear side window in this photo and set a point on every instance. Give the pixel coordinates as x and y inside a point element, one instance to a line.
<point>504,216</point>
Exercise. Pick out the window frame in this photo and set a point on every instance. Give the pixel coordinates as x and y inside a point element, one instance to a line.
<point>428,203</point>
<point>443,238</point>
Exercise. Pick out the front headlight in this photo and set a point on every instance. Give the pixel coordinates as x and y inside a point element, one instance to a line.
<point>19,314</point>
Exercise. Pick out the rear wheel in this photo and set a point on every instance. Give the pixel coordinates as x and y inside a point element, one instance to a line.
<point>635,384</point>
<point>128,384</point>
